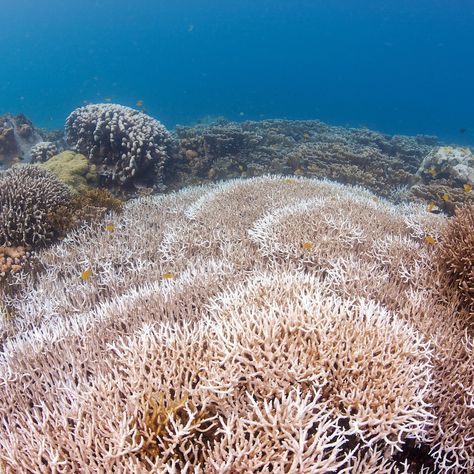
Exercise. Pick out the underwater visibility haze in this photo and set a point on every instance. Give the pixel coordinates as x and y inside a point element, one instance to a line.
<point>237,236</point>
<point>398,66</point>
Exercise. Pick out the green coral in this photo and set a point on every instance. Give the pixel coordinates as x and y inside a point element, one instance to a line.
<point>73,169</point>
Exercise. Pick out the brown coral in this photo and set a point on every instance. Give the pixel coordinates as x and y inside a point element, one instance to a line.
<point>456,254</point>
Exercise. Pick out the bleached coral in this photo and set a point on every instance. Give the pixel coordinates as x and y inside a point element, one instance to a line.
<point>209,338</point>
<point>42,152</point>
<point>124,143</point>
<point>456,163</point>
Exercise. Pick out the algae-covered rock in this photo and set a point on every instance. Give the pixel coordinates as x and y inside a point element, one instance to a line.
<point>73,169</point>
<point>455,164</point>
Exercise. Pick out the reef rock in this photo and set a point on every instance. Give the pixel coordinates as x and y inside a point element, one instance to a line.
<point>17,137</point>
<point>455,164</point>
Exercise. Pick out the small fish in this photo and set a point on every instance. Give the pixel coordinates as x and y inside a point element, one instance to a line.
<point>467,187</point>
<point>431,206</point>
<point>430,240</point>
<point>242,114</point>
<point>375,199</point>
<point>462,130</point>
<point>190,28</point>
<point>289,180</point>
<point>168,275</point>
<point>445,197</point>
<point>432,171</point>
<point>306,136</point>
<point>110,227</point>
<point>139,102</point>
<point>108,99</point>
<point>85,275</point>
<point>308,246</point>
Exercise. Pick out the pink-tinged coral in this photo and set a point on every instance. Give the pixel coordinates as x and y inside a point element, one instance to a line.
<point>270,324</point>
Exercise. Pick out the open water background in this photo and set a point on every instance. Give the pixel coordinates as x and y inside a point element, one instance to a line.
<point>399,66</point>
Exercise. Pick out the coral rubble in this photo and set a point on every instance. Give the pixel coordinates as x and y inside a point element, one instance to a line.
<point>275,324</point>
<point>17,136</point>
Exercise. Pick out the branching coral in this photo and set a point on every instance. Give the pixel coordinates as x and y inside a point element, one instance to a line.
<point>273,324</point>
<point>456,254</point>
<point>28,195</point>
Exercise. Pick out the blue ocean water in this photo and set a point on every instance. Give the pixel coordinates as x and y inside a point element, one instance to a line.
<point>399,66</point>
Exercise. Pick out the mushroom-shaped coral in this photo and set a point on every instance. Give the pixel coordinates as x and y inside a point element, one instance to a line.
<point>43,151</point>
<point>28,196</point>
<point>124,143</point>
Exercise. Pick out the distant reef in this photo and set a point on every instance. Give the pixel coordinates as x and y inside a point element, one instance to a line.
<point>134,154</point>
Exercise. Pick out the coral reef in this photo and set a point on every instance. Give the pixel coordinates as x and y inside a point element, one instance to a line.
<point>445,178</point>
<point>43,151</point>
<point>126,145</point>
<point>17,136</point>
<point>379,162</point>
<point>73,169</point>
<point>28,195</point>
<point>87,206</point>
<point>456,255</point>
<point>454,164</point>
<point>12,259</point>
<point>276,324</point>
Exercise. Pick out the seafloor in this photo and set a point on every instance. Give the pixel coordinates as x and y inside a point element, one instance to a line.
<point>275,296</point>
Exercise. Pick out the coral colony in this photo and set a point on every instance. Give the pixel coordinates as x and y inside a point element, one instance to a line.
<point>300,300</point>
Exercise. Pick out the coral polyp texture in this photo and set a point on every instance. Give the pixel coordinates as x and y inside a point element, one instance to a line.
<point>272,324</point>
<point>42,152</point>
<point>28,196</point>
<point>124,143</point>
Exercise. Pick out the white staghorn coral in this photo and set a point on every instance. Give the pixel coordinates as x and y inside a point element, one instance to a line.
<point>210,339</point>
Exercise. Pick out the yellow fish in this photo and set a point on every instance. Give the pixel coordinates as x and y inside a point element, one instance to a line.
<point>308,246</point>
<point>430,240</point>
<point>375,199</point>
<point>432,171</point>
<point>110,227</point>
<point>168,275</point>
<point>431,206</point>
<point>139,103</point>
<point>445,197</point>
<point>467,187</point>
<point>85,275</point>
<point>289,180</point>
